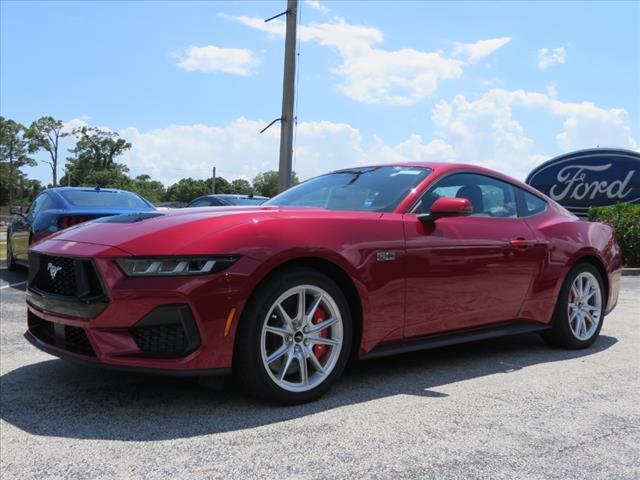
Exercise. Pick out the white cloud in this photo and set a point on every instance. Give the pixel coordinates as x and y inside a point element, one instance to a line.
<point>316,5</point>
<point>377,76</point>
<point>74,123</point>
<point>550,57</point>
<point>236,61</point>
<point>239,151</point>
<point>480,49</point>
<point>486,131</point>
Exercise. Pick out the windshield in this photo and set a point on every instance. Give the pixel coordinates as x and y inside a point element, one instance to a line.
<point>104,199</point>
<point>375,189</point>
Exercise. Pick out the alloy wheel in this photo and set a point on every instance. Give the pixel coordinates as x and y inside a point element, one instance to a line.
<point>584,306</point>
<point>301,339</point>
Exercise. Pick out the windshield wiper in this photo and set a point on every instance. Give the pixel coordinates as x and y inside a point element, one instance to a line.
<point>356,174</point>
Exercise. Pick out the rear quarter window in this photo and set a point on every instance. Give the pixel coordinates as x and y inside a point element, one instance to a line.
<point>531,204</point>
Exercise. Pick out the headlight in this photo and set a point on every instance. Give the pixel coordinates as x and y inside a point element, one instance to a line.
<point>175,266</point>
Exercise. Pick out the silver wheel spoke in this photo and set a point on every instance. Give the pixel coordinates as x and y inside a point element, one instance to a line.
<point>323,341</point>
<point>301,306</point>
<point>576,293</point>
<point>277,354</point>
<point>285,316</point>
<point>590,319</point>
<point>318,327</point>
<point>285,366</point>
<point>283,332</point>
<point>315,362</point>
<point>304,372</point>
<point>312,310</point>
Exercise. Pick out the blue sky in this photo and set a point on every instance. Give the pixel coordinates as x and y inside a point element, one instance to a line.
<point>190,84</point>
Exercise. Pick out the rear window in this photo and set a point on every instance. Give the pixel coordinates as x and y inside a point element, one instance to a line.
<point>104,199</point>
<point>245,201</point>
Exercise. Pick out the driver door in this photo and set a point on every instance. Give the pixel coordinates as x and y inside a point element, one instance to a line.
<point>466,272</point>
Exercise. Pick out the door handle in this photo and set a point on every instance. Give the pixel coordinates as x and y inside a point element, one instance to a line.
<point>521,243</point>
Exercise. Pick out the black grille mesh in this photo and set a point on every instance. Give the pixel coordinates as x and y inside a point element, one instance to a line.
<point>64,280</point>
<point>165,340</point>
<point>73,339</point>
<point>76,341</point>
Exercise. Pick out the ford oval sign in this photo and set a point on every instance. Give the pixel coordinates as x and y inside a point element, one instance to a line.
<point>590,178</point>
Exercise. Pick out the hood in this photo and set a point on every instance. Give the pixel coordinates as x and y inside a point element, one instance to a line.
<point>165,232</point>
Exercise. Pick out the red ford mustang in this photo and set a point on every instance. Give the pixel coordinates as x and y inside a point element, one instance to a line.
<point>361,263</point>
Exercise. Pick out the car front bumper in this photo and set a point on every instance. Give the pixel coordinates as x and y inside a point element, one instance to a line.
<point>174,325</point>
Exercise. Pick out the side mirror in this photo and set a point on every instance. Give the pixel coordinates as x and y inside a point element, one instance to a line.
<point>16,210</point>
<point>447,207</point>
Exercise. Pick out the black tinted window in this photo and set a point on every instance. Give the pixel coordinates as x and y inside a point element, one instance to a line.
<point>489,197</point>
<point>532,204</point>
<point>376,189</point>
<point>42,202</point>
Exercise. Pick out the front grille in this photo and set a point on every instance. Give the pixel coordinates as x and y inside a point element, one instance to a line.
<point>66,337</point>
<point>57,275</point>
<point>64,276</point>
<point>163,340</point>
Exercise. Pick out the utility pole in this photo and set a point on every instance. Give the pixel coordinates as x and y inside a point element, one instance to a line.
<point>288,85</point>
<point>213,182</point>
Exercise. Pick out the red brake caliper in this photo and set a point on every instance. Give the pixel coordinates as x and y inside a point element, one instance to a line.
<point>320,316</point>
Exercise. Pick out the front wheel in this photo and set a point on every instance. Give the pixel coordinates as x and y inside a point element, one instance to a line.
<point>580,310</point>
<point>294,338</point>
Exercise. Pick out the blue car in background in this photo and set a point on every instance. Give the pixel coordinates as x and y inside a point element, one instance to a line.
<point>58,208</point>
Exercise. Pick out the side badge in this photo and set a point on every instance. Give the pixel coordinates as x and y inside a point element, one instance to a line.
<point>385,256</point>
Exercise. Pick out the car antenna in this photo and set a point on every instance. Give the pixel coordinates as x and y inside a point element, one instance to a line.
<point>97,189</point>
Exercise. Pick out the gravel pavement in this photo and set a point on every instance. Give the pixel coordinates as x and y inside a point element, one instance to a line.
<point>501,409</point>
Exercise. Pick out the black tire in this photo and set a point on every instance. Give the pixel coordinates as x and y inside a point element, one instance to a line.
<point>248,369</point>
<point>561,334</point>
<point>12,266</point>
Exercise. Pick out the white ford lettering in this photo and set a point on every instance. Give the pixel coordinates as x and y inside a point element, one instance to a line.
<point>572,184</point>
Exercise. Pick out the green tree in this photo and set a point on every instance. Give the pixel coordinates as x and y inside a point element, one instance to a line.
<point>187,189</point>
<point>152,190</point>
<point>266,183</point>
<point>13,153</point>
<point>241,186</point>
<point>222,185</point>
<point>45,134</point>
<point>95,152</point>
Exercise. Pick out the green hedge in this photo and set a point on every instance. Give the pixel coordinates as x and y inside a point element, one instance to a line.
<point>625,219</point>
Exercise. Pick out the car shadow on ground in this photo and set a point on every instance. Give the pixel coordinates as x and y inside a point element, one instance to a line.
<point>59,399</point>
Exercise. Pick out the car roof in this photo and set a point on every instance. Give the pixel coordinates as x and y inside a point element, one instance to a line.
<point>440,168</point>
<point>86,189</point>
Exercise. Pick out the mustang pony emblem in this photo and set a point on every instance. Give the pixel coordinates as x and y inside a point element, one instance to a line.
<point>53,270</point>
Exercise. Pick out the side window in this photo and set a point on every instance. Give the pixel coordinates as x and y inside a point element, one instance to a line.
<point>42,202</point>
<point>531,204</point>
<point>489,197</point>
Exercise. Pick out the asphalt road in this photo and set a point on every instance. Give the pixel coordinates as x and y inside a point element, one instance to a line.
<point>507,408</point>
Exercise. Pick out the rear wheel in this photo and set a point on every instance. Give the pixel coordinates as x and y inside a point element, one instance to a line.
<point>294,339</point>
<point>580,309</point>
